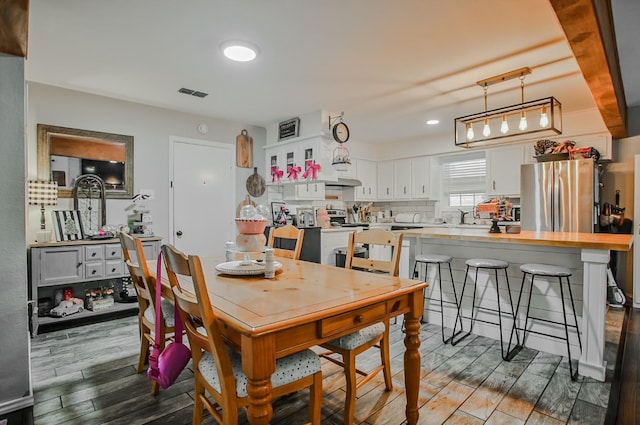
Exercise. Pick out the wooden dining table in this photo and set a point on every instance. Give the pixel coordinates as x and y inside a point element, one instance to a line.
<point>305,305</point>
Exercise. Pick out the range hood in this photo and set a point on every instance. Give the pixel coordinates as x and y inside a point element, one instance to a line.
<point>344,182</point>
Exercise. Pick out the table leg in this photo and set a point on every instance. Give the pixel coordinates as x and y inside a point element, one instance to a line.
<point>259,363</point>
<point>594,308</point>
<point>412,356</point>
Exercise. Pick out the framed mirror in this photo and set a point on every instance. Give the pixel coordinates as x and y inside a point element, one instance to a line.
<point>66,153</point>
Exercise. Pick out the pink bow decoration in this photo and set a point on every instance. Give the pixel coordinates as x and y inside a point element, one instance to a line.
<point>276,174</point>
<point>312,170</point>
<point>292,172</point>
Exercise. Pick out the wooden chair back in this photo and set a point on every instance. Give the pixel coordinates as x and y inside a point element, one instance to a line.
<point>375,236</point>
<point>196,312</point>
<point>287,232</point>
<point>136,262</point>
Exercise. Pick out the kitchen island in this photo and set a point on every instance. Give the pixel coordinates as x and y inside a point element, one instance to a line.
<point>586,254</point>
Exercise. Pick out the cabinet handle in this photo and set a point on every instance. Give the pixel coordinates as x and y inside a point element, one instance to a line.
<point>79,264</point>
<point>93,254</point>
<point>113,253</point>
<point>405,189</point>
<point>369,191</point>
<point>113,270</point>
<point>316,187</point>
<point>494,185</point>
<point>358,319</point>
<point>387,191</point>
<point>422,188</point>
<point>93,271</point>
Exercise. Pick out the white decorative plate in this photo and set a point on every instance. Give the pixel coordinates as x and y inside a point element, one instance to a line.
<point>240,268</point>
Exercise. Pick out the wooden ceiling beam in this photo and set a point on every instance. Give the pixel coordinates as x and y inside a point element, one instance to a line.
<point>14,27</point>
<point>588,25</point>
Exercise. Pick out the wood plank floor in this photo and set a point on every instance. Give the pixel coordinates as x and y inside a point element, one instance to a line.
<point>86,375</point>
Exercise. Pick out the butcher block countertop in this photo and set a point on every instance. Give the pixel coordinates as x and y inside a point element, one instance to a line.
<point>608,241</point>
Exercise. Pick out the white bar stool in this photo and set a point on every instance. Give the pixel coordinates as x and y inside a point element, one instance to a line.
<point>495,265</point>
<point>438,260</point>
<point>548,271</point>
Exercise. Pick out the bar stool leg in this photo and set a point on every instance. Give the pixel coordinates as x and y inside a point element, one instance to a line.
<point>455,295</point>
<point>444,340</point>
<point>510,354</point>
<point>514,329</point>
<point>566,333</point>
<point>455,333</point>
<point>575,318</point>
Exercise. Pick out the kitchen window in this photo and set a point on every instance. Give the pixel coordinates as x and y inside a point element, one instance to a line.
<point>463,179</point>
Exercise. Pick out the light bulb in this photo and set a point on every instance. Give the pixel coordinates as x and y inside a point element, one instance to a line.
<point>504,127</point>
<point>544,118</point>
<point>470,134</point>
<point>486,131</point>
<point>523,122</point>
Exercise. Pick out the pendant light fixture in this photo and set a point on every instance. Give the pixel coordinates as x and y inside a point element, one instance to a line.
<point>523,115</point>
<point>486,130</point>
<point>537,116</point>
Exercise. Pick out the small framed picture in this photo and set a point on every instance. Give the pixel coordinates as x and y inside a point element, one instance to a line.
<point>67,225</point>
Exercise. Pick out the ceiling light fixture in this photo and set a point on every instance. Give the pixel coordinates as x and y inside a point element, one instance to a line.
<point>433,122</point>
<point>239,51</point>
<point>497,123</point>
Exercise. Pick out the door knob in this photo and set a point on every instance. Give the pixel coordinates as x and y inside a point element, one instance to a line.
<point>179,233</point>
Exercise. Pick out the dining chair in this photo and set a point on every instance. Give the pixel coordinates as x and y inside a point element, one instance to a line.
<point>220,383</point>
<point>144,283</point>
<point>377,335</point>
<point>290,233</point>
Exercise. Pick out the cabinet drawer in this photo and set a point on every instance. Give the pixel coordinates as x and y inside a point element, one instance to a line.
<point>112,252</point>
<point>363,315</point>
<point>94,270</point>
<point>94,252</point>
<point>114,268</point>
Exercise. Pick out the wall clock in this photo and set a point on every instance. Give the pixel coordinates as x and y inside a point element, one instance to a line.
<point>340,132</point>
<point>89,200</point>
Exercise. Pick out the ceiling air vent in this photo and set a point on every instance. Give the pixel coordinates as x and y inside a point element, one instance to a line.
<point>192,92</point>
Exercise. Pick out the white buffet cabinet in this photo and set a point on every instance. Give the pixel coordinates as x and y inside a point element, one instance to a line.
<point>75,263</point>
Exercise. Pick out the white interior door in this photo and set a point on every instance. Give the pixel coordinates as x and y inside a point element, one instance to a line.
<point>202,200</point>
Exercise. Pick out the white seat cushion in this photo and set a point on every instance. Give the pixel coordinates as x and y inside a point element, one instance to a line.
<point>433,258</point>
<point>288,369</point>
<point>546,270</point>
<point>358,338</point>
<point>168,312</point>
<point>487,263</point>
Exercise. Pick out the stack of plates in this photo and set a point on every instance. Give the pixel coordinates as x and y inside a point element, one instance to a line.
<point>240,268</point>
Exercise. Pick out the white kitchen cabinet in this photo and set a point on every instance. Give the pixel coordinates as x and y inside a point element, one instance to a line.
<point>503,170</point>
<point>304,191</point>
<point>330,239</point>
<point>402,179</point>
<point>367,174</point>
<point>385,180</point>
<point>299,154</point>
<point>421,177</point>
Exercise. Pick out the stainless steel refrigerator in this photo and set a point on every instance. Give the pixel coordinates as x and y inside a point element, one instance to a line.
<point>559,196</point>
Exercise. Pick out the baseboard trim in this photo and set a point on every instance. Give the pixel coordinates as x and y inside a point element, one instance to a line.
<point>16,404</point>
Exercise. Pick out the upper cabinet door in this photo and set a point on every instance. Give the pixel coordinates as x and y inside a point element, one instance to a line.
<point>367,174</point>
<point>385,180</point>
<point>503,171</point>
<point>421,177</point>
<point>402,179</point>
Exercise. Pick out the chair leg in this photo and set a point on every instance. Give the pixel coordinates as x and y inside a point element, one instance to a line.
<point>349,361</point>
<point>198,405</point>
<point>385,358</point>
<point>143,358</point>
<point>315,402</point>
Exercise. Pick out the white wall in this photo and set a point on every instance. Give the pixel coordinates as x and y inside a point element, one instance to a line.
<point>151,128</point>
<point>15,392</point>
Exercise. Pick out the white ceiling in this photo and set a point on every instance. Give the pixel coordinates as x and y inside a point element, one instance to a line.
<point>389,65</point>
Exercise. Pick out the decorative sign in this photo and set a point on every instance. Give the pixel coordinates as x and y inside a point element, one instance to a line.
<point>288,129</point>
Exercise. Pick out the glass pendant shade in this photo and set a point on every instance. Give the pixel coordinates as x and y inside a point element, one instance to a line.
<point>470,134</point>
<point>523,122</point>
<point>486,130</point>
<point>504,126</point>
<point>544,118</point>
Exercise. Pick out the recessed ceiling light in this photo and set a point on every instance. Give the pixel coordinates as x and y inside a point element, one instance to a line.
<point>239,51</point>
<point>433,122</point>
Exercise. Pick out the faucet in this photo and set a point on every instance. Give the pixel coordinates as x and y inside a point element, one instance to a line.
<point>462,214</point>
